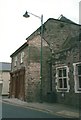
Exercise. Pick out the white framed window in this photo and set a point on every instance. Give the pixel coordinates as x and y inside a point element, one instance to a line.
<point>15,61</point>
<point>62,79</point>
<point>22,57</point>
<point>77,77</point>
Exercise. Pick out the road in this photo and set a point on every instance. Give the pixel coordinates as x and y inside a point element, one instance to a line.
<point>13,111</point>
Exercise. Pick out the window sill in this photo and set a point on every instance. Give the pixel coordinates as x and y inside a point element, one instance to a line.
<point>62,90</point>
<point>21,63</point>
<point>79,89</point>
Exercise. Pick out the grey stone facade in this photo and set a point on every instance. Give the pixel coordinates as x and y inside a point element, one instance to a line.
<point>60,47</point>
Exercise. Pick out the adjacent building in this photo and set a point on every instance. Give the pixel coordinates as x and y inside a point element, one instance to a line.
<point>5,69</point>
<point>61,64</point>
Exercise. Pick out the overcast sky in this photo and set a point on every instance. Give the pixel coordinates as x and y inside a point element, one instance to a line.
<point>14,28</point>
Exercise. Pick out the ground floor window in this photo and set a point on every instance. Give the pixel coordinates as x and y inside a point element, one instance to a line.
<point>77,77</point>
<point>62,79</point>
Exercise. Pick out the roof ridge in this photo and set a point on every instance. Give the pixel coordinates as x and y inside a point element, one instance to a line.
<point>64,19</point>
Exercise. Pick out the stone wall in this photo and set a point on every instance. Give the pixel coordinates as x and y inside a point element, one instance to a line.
<point>69,98</point>
<point>57,34</point>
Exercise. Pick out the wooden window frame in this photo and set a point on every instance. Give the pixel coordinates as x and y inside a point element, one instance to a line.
<point>63,89</point>
<point>76,78</point>
<point>15,61</point>
<point>22,57</point>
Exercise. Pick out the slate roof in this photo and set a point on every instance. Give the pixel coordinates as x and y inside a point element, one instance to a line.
<point>64,19</point>
<point>4,66</point>
<point>71,42</point>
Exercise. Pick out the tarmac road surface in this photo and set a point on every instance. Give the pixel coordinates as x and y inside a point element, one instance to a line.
<point>13,111</point>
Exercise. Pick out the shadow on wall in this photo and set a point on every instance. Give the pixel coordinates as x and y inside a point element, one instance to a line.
<point>51,97</point>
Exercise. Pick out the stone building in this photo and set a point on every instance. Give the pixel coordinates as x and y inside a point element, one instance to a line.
<point>60,64</point>
<point>5,69</point>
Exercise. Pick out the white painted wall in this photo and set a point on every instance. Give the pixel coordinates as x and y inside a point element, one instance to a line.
<point>4,80</point>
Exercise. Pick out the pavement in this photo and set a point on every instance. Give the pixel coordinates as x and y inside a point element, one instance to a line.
<point>52,108</point>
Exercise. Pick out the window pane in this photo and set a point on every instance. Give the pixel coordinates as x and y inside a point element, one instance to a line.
<point>60,73</point>
<point>79,82</point>
<point>60,83</point>
<point>79,70</point>
<point>64,72</point>
<point>65,82</point>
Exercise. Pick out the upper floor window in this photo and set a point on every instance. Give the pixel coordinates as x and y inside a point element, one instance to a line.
<point>77,77</point>
<point>15,61</point>
<point>22,57</point>
<point>62,79</point>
